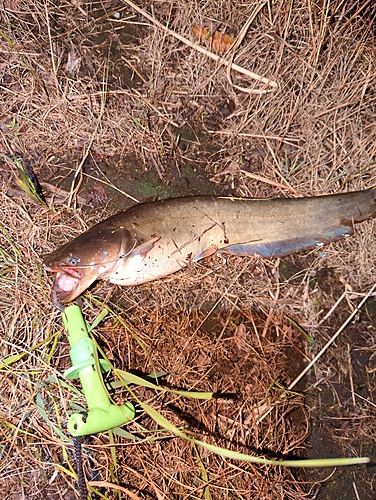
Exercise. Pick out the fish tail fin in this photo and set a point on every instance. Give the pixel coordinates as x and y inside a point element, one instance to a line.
<point>327,218</point>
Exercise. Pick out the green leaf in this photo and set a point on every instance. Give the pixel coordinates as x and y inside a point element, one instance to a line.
<point>130,378</point>
<point>126,435</point>
<point>27,185</point>
<point>301,330</point>
<point>234,455</point>
<point>40,407</point>
<point>204,474</point>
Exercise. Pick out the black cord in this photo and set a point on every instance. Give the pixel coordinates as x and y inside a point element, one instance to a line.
<point>82,488</point>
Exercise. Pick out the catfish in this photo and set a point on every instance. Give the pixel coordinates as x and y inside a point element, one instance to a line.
<point>155,239</point>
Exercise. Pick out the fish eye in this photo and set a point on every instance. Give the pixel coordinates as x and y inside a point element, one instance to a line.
<point>73,261</point>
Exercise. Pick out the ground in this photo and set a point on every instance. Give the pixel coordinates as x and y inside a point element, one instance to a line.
<point>105,106</point>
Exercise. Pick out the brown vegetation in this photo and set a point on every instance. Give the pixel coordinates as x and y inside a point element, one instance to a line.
<point>107,107</point>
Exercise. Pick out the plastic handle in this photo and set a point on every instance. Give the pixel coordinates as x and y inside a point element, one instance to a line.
<point>102,415</point>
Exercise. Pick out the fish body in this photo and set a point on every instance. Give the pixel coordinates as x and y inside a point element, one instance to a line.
<point>152,240</point>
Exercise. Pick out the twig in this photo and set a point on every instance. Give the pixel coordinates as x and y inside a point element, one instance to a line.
<point>365,399</point>
<point>53,62</point>
<point>351,19</point>
<point>326,346</point>
<point>275,300</point>
<point>237,43</point>
<point>111,185</point>
<point>235,67</point>
<point>268,181</point>
<point>335,336</point>
<point>355,490</point>
<point>75,187</point>
<point>106,484</point>
<point>351,375</point>
<point>280,138</point>
<point>333,308</point>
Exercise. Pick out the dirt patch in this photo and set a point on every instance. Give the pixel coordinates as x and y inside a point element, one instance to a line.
<point>340,396</point>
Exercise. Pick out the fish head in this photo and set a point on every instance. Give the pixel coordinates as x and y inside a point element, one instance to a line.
<point>85,259</point>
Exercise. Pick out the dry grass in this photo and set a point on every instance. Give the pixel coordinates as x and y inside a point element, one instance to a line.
<point>78,84</point>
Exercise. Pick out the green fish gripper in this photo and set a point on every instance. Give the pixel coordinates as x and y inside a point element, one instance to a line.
<point>102,415</point>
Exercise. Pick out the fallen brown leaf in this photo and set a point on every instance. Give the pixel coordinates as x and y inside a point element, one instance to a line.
<point>215,41</point>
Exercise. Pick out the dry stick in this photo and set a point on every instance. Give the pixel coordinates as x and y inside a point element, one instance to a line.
<point>106,484</point>
<point>155,109</point>
<point>351,377</point>
<point>111,185</point>
<point>276,169</point>
<point>230,53</point>
<point>269,181</point>
<point>365,399</point>
<point>335,336</point>
<point>326,346</point>
<point>75,187</point>
<point>333,308</point>
<point>237,43</point>
<point>197,47</point>
<point>54,69</point>
<point>355,490</point>
<point>350,20</point>
<point>275,299</point>
<point>257,136</point>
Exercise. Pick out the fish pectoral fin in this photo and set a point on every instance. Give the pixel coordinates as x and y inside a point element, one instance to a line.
<point>145,247</point>
<point>206,253</point>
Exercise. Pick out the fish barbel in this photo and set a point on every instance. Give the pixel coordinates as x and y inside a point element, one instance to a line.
<point>152,240</point>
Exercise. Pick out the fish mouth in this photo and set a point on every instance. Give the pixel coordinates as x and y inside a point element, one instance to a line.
<point>66,287</point>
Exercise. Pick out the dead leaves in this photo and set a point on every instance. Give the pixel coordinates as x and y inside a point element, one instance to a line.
<point>213,40</point>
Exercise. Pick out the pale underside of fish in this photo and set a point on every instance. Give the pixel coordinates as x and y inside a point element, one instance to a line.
<point>152,240</point>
